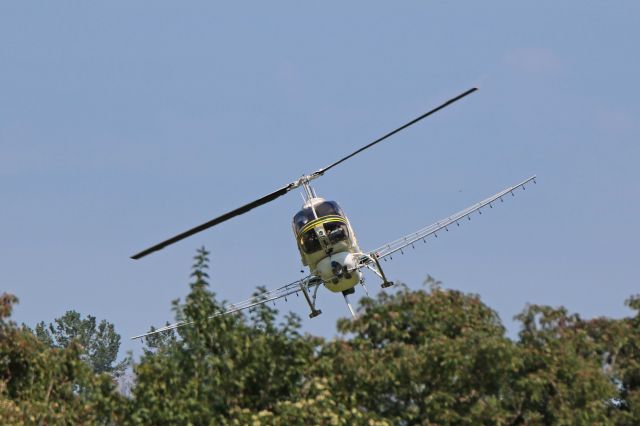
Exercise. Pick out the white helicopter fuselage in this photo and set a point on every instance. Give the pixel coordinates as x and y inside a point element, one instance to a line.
<point>327,244</point>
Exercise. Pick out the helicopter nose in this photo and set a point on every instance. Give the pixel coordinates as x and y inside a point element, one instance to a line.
<point>338,269</point>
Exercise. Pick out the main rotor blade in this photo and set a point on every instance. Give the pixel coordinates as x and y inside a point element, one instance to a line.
<point>280,192</point>
<point>213,222</point>
<point>414,121</point>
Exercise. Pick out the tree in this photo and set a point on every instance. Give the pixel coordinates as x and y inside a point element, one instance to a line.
<point>442,357</point>
<point>617,345</point>
<point>219,368</point>
<point>560,378</point>
<point>422,357</point>
<point>44,385</point>
<point>99,342</point>
<point>430,356</point>
<point>412,357</point>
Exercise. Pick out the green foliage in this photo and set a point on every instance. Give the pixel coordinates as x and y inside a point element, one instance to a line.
<point>44,385</point>
<point>220,366</point>
<point>99,342</point>
<point>413,357</point>
<point>417,357</point>
<point>618,346</point>
<point>560,379</point>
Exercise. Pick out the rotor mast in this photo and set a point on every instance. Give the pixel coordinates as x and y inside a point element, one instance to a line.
<point>305,183</point>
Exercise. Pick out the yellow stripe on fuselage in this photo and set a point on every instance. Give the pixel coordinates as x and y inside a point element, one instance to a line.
<point>321,221</point>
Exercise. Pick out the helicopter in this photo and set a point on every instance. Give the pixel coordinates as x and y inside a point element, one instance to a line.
<point>326,241</point>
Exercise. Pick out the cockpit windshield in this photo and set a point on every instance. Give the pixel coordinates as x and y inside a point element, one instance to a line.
<point>325,208</point>
<point>303,217</point>
<point>310,242</point>
<point>336,229</point>
<point>328,208</point>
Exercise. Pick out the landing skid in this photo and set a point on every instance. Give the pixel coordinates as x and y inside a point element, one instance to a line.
<point>310,300</point>
<point>377,269</point>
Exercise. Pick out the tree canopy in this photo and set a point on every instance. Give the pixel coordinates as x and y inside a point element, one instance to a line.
<point>99,341</point>
<point>44,385</point>
<point>413,357</point>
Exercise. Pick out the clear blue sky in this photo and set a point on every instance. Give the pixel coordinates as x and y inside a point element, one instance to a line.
<point>122,123</point>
